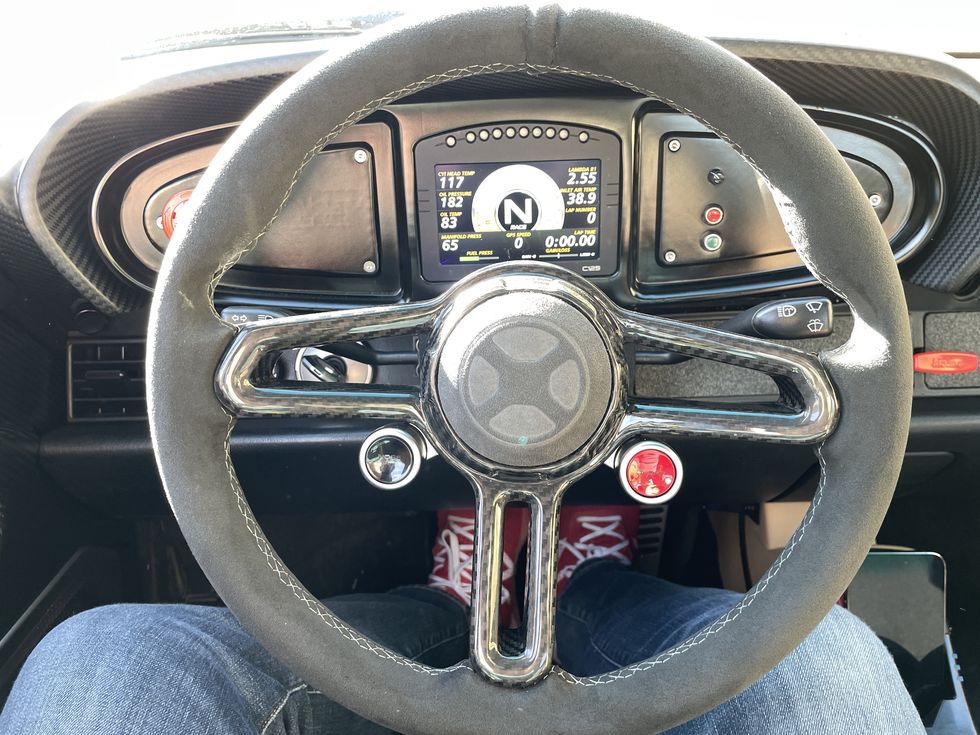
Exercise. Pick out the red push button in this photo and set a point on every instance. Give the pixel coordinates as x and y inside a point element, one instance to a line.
<point>650,472</point>
<point>713,215</point>
<point>944,362</point>
<point>171,211</point>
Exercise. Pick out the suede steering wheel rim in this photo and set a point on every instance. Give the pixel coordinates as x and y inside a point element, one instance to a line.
<point>837,235</point>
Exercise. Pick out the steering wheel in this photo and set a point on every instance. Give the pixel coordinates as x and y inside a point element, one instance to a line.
<point>852,404</point>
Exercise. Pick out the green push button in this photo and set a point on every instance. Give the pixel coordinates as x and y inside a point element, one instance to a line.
<point>712,242</point>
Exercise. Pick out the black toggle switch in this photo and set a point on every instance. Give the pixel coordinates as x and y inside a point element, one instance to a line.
<point>803,318</point>
<point>239,315</point>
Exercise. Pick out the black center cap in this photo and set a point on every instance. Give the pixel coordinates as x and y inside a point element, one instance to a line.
<point>524,379</point>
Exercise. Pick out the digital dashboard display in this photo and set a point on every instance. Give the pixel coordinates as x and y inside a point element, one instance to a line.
<point>546,210</point>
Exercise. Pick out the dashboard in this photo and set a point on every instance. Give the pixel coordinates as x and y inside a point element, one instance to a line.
<point>647,202</point>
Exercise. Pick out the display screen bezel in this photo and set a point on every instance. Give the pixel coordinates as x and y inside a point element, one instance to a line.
<point>598,145</point>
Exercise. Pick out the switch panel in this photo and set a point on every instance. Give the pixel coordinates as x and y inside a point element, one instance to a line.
<point>714,206</point>
<point>705,221</point>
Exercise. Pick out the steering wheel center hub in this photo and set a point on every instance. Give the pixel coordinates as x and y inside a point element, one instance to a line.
<point>524,379</point>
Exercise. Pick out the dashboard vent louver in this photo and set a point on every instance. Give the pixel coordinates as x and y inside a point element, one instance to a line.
<point>106,380</point>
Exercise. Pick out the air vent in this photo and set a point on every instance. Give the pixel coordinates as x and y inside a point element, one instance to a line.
<point>106,380</point>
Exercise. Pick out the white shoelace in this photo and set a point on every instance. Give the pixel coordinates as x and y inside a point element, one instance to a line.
<point>456,553</point>
<point>585,548</point>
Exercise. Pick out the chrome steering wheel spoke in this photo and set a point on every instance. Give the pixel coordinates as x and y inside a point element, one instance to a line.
<point>806,412</point>
<point>487,649</point>
<point>242,397</point>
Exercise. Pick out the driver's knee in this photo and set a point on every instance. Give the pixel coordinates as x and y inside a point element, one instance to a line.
<point>146,668</point>
<point>841,675</point>
<point>840,653</point>
<point>111,638</point>
<point>119,638</point>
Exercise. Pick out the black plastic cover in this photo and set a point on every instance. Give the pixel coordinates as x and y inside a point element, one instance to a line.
<point>703,172</point>
<point>902,596</point>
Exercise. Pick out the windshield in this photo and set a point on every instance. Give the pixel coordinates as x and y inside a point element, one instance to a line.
<point>947,25</point>
<point>68,52</point>
<point>130,29</point>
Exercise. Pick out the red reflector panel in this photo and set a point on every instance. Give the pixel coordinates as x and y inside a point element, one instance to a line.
<point>651,473</point>
<point>171,211</point>
<point>944,362</point>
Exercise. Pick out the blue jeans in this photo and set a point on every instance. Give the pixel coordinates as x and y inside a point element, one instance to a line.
<point>148,669</point>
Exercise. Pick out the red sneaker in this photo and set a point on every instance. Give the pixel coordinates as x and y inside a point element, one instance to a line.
<point>595,532</point>
<point>452,555</point>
